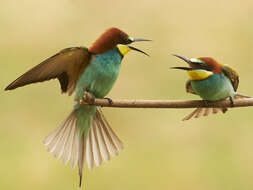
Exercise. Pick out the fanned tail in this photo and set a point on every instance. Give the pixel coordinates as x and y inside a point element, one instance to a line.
<point>198,112</point>
<point>98,145</point>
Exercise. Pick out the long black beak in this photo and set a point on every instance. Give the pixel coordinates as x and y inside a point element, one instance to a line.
<point>183,58</point>
<point>182,68</point>
<point>135,49</point>
<point>141,40</point>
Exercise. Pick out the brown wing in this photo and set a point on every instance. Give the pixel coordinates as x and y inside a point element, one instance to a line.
<point>66,66</point>
<point>232,75</point>
<point>188,87</point>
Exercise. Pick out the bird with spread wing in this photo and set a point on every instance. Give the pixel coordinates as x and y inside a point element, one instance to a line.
<point>84,134</point>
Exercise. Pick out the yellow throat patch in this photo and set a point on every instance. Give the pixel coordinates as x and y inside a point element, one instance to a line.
<point>199,74</point>
<point>123,49</point>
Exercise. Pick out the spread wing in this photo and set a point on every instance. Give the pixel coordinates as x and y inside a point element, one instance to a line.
<point>232,75</point>
<point>66,66</point>
<point>188,87</point>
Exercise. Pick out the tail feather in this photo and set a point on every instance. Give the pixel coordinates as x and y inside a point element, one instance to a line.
<point>101,142</point>
<point>207,112</point>
<point>68,145</point>
<point>51,141</point>
<point>98,145</point>
<point>113,143</point>
<point>190,115</point>
<point>109,142</point>
<point>115,138</point>
<point>74,150</point>
<point>198,112</point>
<point>61,141</point>
<point>95,147</point>
<point>81,158</point>
<point>89,152</point>
<point>216,110</point>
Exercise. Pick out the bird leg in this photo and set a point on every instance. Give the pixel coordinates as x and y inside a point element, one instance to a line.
<point>206,102</point>
<point>88,97</point>
<point>109,100</point>
<point>223,109</point>
<point>231,99</point>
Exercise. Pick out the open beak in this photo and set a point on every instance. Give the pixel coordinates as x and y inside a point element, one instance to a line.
<point>183,58</point>
<point>186,60</point>
<point>182,68</point>
<point>135,49</point>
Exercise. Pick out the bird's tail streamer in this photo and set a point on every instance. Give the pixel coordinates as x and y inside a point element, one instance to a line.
<point>198,112</point>
<point>97,145</point>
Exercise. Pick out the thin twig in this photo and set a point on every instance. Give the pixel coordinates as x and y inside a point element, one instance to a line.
<point>244,102</point>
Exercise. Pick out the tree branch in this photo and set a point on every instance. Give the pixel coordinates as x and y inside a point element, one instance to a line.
<point>89,100</point>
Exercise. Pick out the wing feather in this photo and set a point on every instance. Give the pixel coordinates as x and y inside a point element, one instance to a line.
<point>67,65</point>
<point>189,88</point>
<point>232,75</point>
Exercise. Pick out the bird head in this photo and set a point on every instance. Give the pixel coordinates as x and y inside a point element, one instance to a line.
<point>114,37</point>
<point>200,68</point>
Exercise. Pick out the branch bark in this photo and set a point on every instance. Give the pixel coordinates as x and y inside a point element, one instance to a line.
<point>89,100</point>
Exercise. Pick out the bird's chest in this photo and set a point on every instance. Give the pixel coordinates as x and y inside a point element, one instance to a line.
<point>101,74</point>
<point>215,87</point>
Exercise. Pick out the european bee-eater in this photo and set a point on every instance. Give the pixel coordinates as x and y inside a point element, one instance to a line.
<point>85,132</point>
<point>211,81</point>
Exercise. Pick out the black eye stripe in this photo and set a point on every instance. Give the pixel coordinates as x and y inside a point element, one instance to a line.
<point>126,41</point>
<point>199,63</point>
<point>202,66</point>
<point>207,69</point>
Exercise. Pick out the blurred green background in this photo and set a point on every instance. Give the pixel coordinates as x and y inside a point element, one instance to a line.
<point>161,151</point>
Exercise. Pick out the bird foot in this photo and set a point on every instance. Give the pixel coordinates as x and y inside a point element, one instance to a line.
<point>223,109</point>
<point>88,97</point>
<point>206,102</point>
<point>109,100</point>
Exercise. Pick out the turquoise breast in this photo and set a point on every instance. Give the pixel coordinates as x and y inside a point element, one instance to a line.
<point>214,88</point>
<point>100,75</point>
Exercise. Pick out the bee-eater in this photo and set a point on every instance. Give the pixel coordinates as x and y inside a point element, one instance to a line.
<point>85,133</point>
<point>212,81</point>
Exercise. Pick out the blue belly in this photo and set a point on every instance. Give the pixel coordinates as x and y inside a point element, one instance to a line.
<point>214,88</point>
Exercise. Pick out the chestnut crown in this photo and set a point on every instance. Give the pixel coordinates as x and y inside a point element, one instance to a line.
<point>110,39</point>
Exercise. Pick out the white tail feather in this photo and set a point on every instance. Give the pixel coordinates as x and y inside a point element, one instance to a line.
<point>89,152</point>
<point>101,141</point>
<point>115,138</point>
<point>108,139</point>
<point>95,147</point>
<point>68,146</point>
<point>75,149</point>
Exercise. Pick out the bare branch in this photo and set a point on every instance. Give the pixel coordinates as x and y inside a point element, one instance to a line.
<point>244,102</point>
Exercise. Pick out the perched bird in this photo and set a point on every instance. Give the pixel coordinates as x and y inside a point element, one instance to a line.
<point>211,81</point>
<point>85,133</point>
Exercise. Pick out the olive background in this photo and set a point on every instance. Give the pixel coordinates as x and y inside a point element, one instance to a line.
<point>161,151</point>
